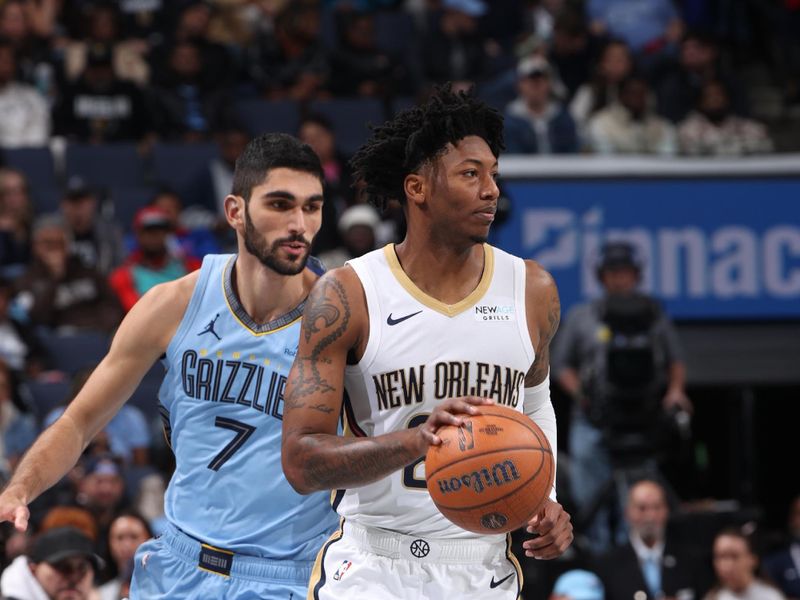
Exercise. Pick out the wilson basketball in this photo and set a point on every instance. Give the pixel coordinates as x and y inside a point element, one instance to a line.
<point>492,474</point>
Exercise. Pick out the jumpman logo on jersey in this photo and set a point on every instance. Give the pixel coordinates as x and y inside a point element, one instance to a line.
<point>210,328</point>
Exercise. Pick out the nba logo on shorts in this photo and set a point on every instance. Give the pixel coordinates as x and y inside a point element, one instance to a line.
<point>346,564</point>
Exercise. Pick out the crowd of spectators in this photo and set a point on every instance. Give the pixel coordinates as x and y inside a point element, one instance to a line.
<point>95,71</point>
<point>600,76</point>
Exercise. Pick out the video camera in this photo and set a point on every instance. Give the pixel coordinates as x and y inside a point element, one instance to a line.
<point>630,381</point>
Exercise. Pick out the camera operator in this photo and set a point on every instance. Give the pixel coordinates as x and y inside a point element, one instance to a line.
<point>620,360</point>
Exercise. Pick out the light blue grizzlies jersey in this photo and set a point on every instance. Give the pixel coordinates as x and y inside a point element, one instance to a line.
<point>222,403</point>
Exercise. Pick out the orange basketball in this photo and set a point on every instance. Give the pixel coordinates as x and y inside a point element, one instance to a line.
<point>492,474</point>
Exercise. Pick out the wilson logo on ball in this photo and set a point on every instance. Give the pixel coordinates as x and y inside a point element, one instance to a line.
<point>500,474</point>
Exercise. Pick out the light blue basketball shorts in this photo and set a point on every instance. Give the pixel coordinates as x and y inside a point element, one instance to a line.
<point>175,566</point>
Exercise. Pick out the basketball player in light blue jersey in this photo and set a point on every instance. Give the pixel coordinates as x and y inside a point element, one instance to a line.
<point>227,335</point>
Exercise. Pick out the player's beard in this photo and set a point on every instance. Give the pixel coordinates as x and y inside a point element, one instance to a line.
<point>269,255</point>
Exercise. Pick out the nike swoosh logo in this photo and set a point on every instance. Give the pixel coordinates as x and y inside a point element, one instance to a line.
<point>390,321</point>
<point>493,584</point>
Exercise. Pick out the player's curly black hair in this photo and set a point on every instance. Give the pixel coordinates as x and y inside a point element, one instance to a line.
<point>418,135</point>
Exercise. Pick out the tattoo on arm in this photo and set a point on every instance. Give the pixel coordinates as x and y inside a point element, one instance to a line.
<point>541,363</point>
<point>354,462</point>
<point>322,313</point>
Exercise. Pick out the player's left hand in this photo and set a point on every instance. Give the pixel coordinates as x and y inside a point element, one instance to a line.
<point>554,528</point>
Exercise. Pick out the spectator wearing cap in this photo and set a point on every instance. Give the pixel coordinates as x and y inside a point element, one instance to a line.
<point>579,365</point>
<point>58,291</point>
<point>578,584</point>
<point>630,125</point>
<point>102,492</point>
<point>24,114</point>
<point>536,122</point>
<point>95,240</point>
<point>99,107</point>
<point>151,263</point>
<point>60,566</point>
<point>358,227</point>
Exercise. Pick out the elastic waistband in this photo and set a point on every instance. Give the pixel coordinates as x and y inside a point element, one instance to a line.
<point>225,562</point>
<point>408,547</point>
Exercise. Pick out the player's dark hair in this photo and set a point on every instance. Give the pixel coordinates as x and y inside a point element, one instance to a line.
<point>419,135</point>
<point>272,151</point>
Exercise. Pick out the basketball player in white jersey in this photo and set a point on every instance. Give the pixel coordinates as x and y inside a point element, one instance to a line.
<point>419,335</point>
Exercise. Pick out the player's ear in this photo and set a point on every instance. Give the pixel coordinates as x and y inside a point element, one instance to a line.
<point>234,210</point>
<point>414,186</point>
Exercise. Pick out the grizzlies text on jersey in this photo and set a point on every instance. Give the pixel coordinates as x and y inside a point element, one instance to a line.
<point>222,401</point>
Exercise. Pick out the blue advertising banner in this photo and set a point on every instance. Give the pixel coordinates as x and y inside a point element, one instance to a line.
<point>715,248</point>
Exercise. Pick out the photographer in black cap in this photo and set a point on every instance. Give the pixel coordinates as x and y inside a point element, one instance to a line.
<point>619,358</point>
<point>60,566</point>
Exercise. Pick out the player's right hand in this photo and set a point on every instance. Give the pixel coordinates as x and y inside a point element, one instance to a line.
<point>448,412</point>
<point>14,509</point>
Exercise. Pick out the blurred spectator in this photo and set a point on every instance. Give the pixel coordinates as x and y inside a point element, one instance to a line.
<point>783,566</point>
<point>102,28</point>
<point>536,122</point>
<point>614,65</point>
<point>192,227</point>
<point>151,263</point>
<point>317,131</point>
<point>571,50</point>
<point>453,48</point>
<point>95,240</point>
<point>578,584</point>
<point>290,61</point>
<point>21,26</point>
<point>630,126</point>
<point>16,215</point>
<point>361,67</point>
<point>651,560</point>
<point>20,349</point>
<point>541,18</point>
<point>358,227</point>
<point>126,437</point>
<point>586,352</point>
<point>17,429</point>
<point>61,566</point>
<point>193,19</point>
<point>188,105</point>
<point>101,491</point>
<point>99,107</point>
<point>680,87</point>
<point>649,27</point>
<point>24,114</point>
<point>216,181</point>
<point>735,565</point>
<point>713,129</point>
<point>58,291</point>
<point>127,532</point>
<point>70,516</point>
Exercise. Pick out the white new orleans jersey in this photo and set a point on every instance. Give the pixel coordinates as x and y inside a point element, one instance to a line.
<point>420,352</point>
